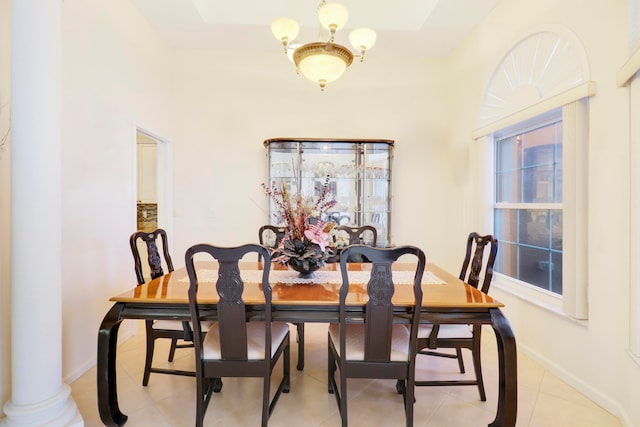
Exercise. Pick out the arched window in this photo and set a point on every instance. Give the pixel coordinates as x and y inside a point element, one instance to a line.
<point>534,128</point>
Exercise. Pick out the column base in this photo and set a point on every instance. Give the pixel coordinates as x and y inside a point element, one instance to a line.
<point>58,411</point>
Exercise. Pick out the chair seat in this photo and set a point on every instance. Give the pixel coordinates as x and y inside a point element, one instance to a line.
<point>171,325</point>
<point>355,342</point>
<point>446,331</point>
<point>255,340</point>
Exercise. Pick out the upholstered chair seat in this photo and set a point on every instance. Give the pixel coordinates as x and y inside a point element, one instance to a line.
<point>255,340</point>
<point>355,341</point>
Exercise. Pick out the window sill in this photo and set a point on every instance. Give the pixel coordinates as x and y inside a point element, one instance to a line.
<point>529,294</point>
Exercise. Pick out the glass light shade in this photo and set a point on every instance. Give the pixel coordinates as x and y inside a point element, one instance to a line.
<point>285,29</point>
<point>333,16</point>
<point>322,62</point>
<point>362,38</point>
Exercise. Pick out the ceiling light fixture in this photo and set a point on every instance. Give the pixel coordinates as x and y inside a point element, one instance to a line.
<point>324,62</point>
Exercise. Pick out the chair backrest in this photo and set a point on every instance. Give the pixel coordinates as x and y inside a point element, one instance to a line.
<point>379,310</point>
<point>153,254</point>
<point>357,235</point>
<point>230,309</point>
<point>279,233</point>
<point>264,232</point>
<point>339,219</point>
<point>475,262</point>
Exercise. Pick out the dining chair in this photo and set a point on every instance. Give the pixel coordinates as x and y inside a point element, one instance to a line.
<point>170,329</point>
<point>235,345</point>
<point>378,343</point>
<point>365,234</point>
<point>360,235</point>
<point>339,219</point>
<point>271,236</point>
<point>279,233</point>
<point>478,261</point>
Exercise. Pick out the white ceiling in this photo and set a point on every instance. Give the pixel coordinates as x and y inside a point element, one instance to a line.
<point>425,28</point>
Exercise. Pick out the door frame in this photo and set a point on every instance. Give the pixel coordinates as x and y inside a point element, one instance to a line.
<point>163,176</point>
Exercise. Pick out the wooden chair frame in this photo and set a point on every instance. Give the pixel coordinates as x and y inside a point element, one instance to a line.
<point>379,319</point>
<point>277,230</point>
<point>472,267</point>
<point>152,334</point>
<point>356,233</point>
<point>279,233</point>
<point>232,326</point>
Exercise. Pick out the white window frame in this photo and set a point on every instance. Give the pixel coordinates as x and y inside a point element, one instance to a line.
<point>542,120</point>
<point>629,76</point>
<point>575,118</point>
<point>633,84</point>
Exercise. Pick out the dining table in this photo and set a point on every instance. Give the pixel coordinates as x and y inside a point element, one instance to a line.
<point>446,300</point>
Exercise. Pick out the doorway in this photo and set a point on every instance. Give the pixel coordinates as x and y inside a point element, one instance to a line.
<point>153,177</point>
<point>153,198</point>
<point>147,182</point>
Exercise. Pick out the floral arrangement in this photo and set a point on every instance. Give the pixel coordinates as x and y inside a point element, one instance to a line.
<point>308,241</point>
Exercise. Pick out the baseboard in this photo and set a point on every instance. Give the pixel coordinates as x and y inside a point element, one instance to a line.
<point>603,400</point>
<point>127,331</point>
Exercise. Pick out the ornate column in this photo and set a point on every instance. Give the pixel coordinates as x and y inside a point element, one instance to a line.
<point>38,396</point>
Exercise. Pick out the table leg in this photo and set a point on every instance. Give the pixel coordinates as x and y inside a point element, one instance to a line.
<point>106,368</point>
<point>508,382</point>
<point>300,329</point>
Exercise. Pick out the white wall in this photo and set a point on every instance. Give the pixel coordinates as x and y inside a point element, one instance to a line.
<point>228,103</point>
<point>216,108</point>
<point>593,356</point>
<point>116,74</point>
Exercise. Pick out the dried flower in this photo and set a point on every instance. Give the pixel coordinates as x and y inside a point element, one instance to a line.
<point>307,238</point>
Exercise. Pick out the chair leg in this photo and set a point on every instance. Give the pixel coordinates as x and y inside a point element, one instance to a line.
<point>204,391</point>
<point>331,368</point>
<point>283,352</point>
<point>409,401</point>
<point>149,356</point>
<point>286,369</point>
<point>172,350</point>
<point>265,401</point>
<point>300,330</point>
<point>207,393</point>
<point>199,402</point>
<point>477,363</point>
<point>460,360</point>
<point>343,399</point>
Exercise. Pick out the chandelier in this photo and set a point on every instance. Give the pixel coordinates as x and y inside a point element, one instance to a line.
<point>323,62</point>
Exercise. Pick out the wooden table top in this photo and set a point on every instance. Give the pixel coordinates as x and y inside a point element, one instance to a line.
<point>172,289</point>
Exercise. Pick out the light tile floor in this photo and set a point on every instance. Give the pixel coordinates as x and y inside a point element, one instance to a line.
<point>168,401</point>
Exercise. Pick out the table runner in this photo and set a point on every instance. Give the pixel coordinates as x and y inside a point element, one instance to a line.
<point>321,277</point>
